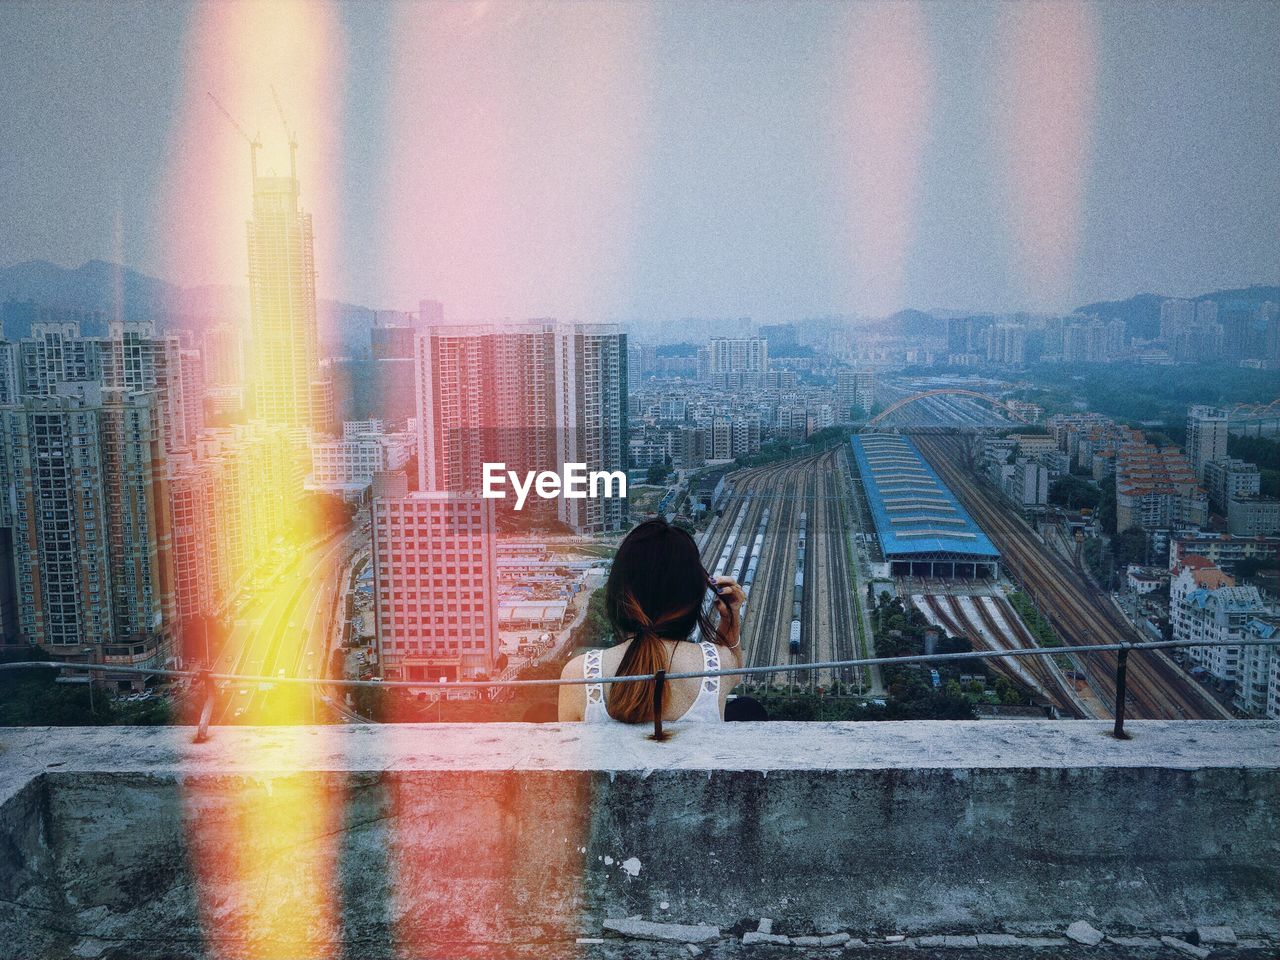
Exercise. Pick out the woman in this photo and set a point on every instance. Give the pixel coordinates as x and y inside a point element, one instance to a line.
<point>655,600</point>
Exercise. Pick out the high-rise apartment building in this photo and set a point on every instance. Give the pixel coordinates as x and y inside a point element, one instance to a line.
<point>1157,489</point>
<point>392,340</point>
<point>131,357</point>
<point>192,376</point>
<point>485,393</point>
<point>135,359</point>
<point>532,395</point>
<point>737,363</point>
<point>139,525</point>
<point>55,512</point>
<point>1175,317</point>
<point>221,351</point>
<point>1007,343</point>
<point>86,505</point>
<point>1206,436</point>
<point>195,516</point>
<point>855,390</point>
<point>1231,478</point>
<point>284,367</point>
<point>591,417</point>
<point>435,587</point>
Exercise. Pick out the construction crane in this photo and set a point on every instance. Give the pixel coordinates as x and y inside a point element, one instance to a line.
<point>289,134</point>
<point>255,142</point>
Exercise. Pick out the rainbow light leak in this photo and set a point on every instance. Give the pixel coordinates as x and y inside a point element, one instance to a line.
<point>549,145</point>
<point>517,145</point>
<point>264,856</point>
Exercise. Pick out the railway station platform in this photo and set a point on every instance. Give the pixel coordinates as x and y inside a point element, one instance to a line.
<point>922,529</point>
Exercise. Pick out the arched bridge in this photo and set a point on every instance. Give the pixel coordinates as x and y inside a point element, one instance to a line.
<point>998,405</point>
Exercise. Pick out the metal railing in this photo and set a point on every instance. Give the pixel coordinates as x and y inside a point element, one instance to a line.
<point>210,679</point>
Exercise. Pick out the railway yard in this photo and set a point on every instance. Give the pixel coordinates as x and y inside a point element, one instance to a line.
<point>784,534</point>
<point>1080,612</point>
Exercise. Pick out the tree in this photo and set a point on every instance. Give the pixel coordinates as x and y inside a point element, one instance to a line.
<point>322,513</point>
<point>657,473</point>
<point>595,629</point>
<point>1107,506</point>
<point>373,702</point>
<point>1129,547</point>
<point>1248,567</point>
<point>1073,493</point>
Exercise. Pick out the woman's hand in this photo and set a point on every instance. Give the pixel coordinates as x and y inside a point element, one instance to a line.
<point>729,597</point>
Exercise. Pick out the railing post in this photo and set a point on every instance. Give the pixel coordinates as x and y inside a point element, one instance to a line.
<point>1122,665</point>
<point>206,710</point>
<point>659,682</point>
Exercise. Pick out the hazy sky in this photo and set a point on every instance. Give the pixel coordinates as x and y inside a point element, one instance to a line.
<point>682,159</point>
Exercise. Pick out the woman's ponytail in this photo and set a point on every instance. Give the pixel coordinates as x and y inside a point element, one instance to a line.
<point>633,702</point>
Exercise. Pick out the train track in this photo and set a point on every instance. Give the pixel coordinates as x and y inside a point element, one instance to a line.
<point>1157,689</point>
<point>809,485</point>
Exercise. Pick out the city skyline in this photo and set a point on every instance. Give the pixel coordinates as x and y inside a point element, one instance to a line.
<point>1159,178</point>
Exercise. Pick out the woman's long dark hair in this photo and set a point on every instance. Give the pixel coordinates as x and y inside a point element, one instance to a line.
<point>657,587</point>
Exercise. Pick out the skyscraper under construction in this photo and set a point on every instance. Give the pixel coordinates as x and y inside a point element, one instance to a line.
<point>284,367</point>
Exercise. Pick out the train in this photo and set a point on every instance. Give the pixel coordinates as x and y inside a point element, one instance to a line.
<point>753,558</point>
<point>729,563</point>
<point>795,638</point>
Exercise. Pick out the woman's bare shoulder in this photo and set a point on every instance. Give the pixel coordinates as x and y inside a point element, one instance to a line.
<point>574,668</point>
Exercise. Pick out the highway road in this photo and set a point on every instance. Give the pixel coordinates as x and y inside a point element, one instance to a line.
<point>286,631</point>
<point>1080,612</point>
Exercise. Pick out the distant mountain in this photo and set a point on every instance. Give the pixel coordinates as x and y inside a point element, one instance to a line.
<point>117,290</point>
<point>96,285</point>
<point>916,323</point>
<point>1141,313</point>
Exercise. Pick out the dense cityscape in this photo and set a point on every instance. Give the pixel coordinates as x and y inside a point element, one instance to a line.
<point>185,494</point>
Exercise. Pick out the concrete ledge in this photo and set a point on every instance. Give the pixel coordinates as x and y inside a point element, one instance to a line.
<point>450,839</point>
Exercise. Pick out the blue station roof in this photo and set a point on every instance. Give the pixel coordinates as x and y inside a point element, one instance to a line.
<point>914,511</point>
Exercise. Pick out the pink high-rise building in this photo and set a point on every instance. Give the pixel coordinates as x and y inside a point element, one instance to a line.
<point>435,591</point>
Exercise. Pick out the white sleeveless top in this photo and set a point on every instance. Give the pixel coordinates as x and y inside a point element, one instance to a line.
<point>705,709</point>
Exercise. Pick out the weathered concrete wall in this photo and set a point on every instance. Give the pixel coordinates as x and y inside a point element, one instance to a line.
<point>449,840</point>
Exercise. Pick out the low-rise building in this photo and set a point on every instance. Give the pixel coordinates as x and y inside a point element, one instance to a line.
<point>1253,516</point>
<point>1221,549</point>
<point>346,467</point>
<point>1230,478</point>
<point>1219,617</point>
<point>1146,579</point>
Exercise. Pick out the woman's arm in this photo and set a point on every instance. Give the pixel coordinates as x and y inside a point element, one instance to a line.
<point>573,696</point>
<point>729,597</point>
<point>728,632</point>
